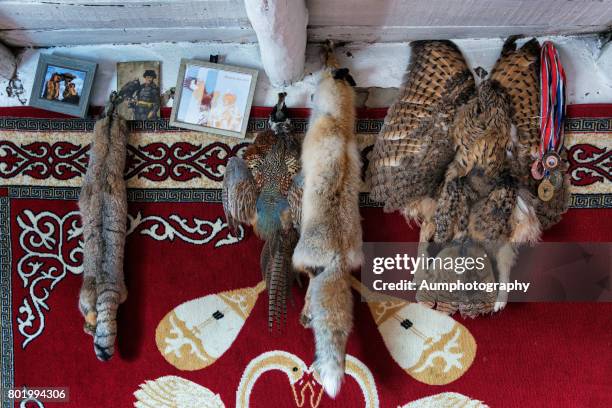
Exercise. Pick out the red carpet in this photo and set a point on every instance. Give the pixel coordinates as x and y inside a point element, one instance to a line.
<point>178,250</point>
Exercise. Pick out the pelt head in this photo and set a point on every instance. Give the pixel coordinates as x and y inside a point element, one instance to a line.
<point>343,74</point>
<point>335,95</point>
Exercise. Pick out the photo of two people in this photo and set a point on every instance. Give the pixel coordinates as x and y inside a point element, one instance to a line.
<point>63,85</point>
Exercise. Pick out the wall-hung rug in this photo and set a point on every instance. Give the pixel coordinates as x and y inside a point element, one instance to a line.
<point>193,331</point>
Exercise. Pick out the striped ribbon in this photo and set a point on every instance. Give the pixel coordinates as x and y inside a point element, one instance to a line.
<point>552,100</point>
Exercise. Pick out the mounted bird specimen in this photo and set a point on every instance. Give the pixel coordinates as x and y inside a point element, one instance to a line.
<point>255,191</point>
<point>330,224</point>
<point>456,157</point>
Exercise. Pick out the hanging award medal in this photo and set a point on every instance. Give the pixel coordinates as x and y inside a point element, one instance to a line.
<point>548,167</point>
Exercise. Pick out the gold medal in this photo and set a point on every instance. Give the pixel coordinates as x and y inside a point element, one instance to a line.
<point>546,190</point>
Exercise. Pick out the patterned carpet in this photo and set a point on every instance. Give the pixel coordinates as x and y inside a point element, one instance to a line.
<point>193,327</point>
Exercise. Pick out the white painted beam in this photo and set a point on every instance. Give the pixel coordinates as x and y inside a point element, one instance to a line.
<point>48,14</point>
<point>44,23</point>
<point>463,13</point>
<point>280,26</point>
<point>92,14</point>
<point>370,34</point>
<point>7,63</point>
<point>130,35</point>
<point>393,34</point>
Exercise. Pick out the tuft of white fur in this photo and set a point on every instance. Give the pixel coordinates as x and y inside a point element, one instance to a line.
<point>331,376</point>
<point>527,227</point>
<point>506,257</point>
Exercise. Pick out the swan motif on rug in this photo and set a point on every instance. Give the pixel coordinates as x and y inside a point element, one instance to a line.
<point>177,392</point>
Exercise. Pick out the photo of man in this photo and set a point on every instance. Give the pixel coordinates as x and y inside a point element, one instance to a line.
<point>140,95</point>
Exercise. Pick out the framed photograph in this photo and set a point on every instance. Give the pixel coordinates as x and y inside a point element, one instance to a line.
<point>138,89</point>
<point>213,98</point>
<point>63,85</point>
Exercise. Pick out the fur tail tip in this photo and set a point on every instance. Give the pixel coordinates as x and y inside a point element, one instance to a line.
<point>103,354</point>
<point>331,376</point>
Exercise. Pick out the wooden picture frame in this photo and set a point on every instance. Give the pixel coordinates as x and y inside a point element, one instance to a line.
<point>213,98</point>
<point>63,85</point>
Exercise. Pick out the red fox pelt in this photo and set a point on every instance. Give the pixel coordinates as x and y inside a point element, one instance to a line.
<point>330,243</point>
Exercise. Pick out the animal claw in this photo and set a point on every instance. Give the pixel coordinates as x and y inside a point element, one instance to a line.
<point>499,306</point>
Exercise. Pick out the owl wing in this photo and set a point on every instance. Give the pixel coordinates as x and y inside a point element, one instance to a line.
<point>414,147</point>
<point>239,194</point>
<point>175,392</point>
<point>517,72</point>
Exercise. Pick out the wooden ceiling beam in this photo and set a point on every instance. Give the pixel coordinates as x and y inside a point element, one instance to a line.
<point>280,26</point>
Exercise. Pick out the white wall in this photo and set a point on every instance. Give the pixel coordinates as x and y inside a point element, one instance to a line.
<point>72,22</point>
<point>382,65</point>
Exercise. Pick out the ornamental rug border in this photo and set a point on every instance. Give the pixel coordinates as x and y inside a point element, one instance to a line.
<point>57,155</point>
<point>213,196</point>
<point>362,125</point>
<point>6,320</point>
<point>366,125</point>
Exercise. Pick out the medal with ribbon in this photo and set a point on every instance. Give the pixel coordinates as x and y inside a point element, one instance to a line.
<point>552,118</point>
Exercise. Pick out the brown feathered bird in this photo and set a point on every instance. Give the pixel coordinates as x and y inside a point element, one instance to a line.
<point>255,192</point>
<point>456,157</point>
<point>414,148</point>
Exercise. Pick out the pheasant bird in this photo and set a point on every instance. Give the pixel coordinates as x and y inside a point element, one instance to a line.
<point>255,191</point>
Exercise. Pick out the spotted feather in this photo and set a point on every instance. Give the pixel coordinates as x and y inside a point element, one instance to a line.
<point>414,148</point>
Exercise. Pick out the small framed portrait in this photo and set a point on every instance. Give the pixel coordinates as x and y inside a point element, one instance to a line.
<point>213,98</point>
<point>138,90</point>
<point>63,85</point>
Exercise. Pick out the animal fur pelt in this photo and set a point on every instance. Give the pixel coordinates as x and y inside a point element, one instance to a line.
<point>330,231</point>
<point>103,205</point>
<point>456,157</point>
